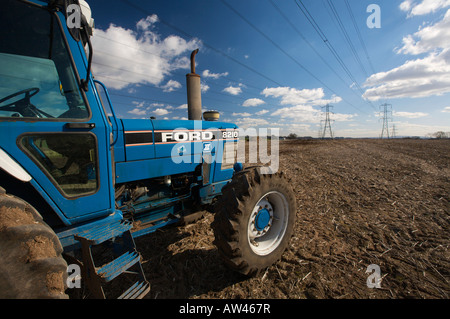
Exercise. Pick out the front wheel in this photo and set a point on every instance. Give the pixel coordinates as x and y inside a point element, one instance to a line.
<point>31,262</point>
<point>254,220</point>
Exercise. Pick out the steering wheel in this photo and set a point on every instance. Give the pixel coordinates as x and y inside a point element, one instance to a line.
<point>23,106</point>
<point>27,93</point>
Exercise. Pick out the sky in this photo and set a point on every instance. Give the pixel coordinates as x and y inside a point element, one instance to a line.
<point>278,63</point>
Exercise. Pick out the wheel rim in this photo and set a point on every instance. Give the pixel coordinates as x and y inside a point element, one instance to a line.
<point>268,222</point>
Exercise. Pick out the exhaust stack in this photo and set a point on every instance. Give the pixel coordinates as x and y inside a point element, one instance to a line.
<point>194,96</point>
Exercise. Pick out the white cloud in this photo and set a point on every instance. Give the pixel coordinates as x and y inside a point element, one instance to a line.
<point>253,102</point>
<point>138,104</point>
<point>308,114</point>
<point>262,112</point>
<point>410,115</point>
<point>171,85</point>
<point>204,87</point>
<point>182,107</point>
<point>125,57</point>
<point>245,114</point>
<point>416,78</point>
<point>413,129</point>
<point>208,74</point>
<point>147,23</point>
<point>406,5</point>
<point>340,117</point>
<point>292,96</point>
<point>302,102</point>
<point>160,112</point>
<point>446,109</point>
<point>421,77</point>
<point>249,122</point>
<point>138,111</point>
<point>436,36</point>
<point>423,7</point>
<point>299,113</point>
<point>233,90</point>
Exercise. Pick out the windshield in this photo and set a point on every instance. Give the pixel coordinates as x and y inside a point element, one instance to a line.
<point>36,75</point>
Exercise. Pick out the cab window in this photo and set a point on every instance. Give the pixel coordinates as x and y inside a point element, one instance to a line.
<point>37,79</point>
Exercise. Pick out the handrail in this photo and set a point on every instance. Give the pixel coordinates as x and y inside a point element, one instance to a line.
<point>116,136</point>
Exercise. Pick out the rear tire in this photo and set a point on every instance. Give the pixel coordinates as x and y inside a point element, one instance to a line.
<point>31,264</point>
<point>254,220</point>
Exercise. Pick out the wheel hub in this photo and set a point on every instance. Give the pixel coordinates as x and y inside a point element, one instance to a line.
<point>262,218</point>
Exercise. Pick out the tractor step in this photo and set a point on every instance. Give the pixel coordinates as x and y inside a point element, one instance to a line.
<point>137,291</point>
<point>129,259</point>
<point>100,234</point>
<point>113,269</point>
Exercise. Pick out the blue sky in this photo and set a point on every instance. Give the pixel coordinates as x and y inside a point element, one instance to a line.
<point>263,64</point>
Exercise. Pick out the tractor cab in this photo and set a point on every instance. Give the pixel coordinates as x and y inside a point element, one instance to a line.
<point>51,120</point>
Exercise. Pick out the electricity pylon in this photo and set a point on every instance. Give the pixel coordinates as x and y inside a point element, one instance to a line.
<point>394,131</point>
<point>386,117</point>
<point>327,125</point>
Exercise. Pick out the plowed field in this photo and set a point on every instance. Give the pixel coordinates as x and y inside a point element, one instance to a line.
<point>360,202</point>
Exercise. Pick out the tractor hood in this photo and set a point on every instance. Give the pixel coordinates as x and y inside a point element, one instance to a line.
<point>170,147</point>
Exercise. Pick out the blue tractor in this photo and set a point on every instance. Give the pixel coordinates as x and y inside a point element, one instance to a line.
<point>78,184</point>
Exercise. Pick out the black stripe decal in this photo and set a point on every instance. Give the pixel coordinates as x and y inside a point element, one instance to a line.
<point>138,138</point>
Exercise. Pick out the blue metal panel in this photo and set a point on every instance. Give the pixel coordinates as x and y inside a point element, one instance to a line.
<point>145,169</point>
<point>208,192</point>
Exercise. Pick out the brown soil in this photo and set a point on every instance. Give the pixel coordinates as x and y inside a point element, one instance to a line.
<point>360,202</point>
<point>40,247</point>
<point>11,217</point>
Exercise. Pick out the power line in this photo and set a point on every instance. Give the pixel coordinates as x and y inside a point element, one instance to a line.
<point>274,43</point>
<point>306,40</point>
<point>358,32</point>
<point>347,37</point>
<point>186,34</point>
<point>282,50</point>
<point>315,51</point>
<point>322,35</point>
<point>324,38</point>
